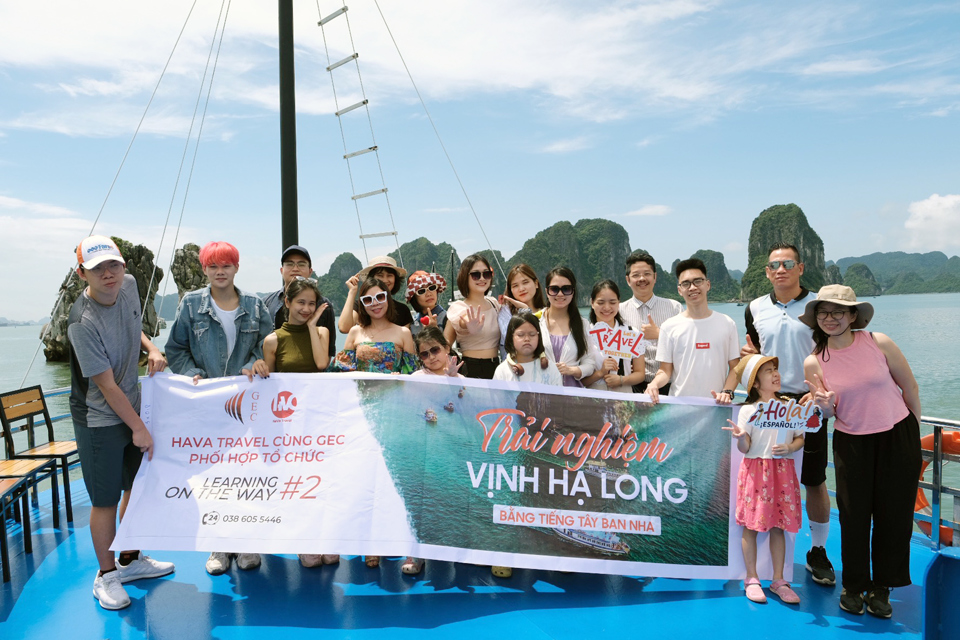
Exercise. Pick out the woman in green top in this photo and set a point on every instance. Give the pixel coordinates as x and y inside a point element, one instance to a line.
<point>300,346</point>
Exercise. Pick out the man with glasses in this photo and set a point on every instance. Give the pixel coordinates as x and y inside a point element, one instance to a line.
<point>774,329</point>
<point>106,338</point>
<point>295,263</point>
<point>646,311</point>
<point>698,348</point>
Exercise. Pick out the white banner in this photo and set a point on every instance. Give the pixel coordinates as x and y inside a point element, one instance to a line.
<point>458,470</point>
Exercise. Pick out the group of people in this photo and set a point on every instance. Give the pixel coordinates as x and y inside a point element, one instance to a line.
<point>799,344</point>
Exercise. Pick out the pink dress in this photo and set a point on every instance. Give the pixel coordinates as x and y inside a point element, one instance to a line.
<point>768,492</point>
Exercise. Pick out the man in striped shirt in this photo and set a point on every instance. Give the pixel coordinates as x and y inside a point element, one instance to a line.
<point>646,311</point>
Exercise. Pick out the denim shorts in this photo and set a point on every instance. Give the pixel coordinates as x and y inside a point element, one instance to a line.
<point>109,462</point>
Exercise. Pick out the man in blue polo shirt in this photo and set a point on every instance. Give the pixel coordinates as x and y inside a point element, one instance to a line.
<point>772,326</point>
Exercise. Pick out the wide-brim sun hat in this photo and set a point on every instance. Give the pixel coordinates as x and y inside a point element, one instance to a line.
<point>421,279</point>
<point>844,296</point>
<point>383,262</point>
<point>748,368</point>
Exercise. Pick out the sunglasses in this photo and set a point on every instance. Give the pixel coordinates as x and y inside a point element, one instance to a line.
<point>432,351</point>
<point>482,275</point>
<point>429,287</point>
<point>377,298</point>
<point>773,265</point>
<point>566,290</point>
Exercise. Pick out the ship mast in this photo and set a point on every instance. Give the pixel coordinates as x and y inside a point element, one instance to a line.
<point>288,129</point>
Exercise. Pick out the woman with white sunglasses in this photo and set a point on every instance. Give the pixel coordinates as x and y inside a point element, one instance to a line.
<point>377,344</point>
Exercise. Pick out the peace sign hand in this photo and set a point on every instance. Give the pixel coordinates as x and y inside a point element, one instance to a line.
<point>822,396</point>
<point>735,430</point>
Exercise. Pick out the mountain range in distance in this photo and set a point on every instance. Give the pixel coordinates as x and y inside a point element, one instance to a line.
<point>595,249</point>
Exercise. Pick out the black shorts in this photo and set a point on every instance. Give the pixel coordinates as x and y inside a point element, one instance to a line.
<point>109,462</point>
<point>482,368</point>
<point>813,472</point>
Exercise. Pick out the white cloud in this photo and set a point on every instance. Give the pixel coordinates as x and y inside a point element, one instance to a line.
<point>840,66</point>
<point>34,208</point>
<point>566,146</point>
<point>651,210</point>
<point>733,247</point>
<point>934,223</point>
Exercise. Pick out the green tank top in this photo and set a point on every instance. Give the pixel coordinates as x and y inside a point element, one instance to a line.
<point>294,351</point>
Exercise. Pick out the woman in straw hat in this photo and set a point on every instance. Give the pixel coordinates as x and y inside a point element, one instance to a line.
<point>863,379</point>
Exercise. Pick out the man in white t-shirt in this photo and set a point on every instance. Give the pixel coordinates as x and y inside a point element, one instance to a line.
<point>698,348</point>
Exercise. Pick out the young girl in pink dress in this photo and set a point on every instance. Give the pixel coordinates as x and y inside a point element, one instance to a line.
<point>768,492</point>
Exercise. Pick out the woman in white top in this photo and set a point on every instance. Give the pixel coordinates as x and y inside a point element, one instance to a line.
<point>561,324</point>
<point>524,344</point>
<point>472,322</point>
<point>612,374</point>
<point>523,292</point>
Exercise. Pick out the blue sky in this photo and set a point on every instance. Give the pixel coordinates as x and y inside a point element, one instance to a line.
<point>681,120</point>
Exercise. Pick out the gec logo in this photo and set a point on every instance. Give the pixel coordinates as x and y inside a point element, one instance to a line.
<point>284,404</point>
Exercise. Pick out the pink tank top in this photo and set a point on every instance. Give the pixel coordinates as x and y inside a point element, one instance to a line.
<point>486,338</point>
<point>868,399</point>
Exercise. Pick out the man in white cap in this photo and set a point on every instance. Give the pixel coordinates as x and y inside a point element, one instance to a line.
<point>106,338</point>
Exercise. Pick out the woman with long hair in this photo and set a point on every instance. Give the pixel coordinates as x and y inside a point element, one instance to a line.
<point>472,322</point>
<point>612,374</point>
<point>568,348</point>
<point>522,292</point>
<point>862,379</point>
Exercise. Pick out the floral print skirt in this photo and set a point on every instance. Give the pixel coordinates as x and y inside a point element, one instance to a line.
<point>768,495</point>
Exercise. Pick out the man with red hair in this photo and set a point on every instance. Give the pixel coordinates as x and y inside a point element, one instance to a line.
<point>219,331</point>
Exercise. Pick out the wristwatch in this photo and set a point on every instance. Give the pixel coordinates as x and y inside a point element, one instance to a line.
<point>729,392</point>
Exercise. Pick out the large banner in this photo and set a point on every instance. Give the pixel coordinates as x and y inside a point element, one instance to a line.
<point>449,469</point>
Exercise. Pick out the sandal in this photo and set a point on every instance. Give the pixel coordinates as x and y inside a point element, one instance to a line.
<point>372,561</point>
<point>412,566</point>
<point>754,591</point>
<point>501,572</point>
<point>785,593</point>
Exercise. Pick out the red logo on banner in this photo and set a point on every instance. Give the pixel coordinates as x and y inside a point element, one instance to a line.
<point>703,345</point>
<point>284,404</point>
<point>232,406</point>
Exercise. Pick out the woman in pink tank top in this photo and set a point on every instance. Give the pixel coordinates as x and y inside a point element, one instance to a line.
<point>863,380</point>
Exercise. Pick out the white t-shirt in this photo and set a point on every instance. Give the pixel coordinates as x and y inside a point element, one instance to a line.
<point>229,321</point>
<point>532,372</point>
<point>762,440</point>
<point>700,351</point>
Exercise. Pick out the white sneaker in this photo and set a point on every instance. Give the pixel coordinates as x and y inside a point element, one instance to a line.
<point>247,561</point>
<point>144,567</point>
<point>218,563</point>
<point>108,590</point>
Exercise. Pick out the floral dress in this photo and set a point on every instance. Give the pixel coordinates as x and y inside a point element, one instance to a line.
<point>375,357</point>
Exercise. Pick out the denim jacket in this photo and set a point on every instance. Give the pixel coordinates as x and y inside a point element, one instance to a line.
<point>197,344</point>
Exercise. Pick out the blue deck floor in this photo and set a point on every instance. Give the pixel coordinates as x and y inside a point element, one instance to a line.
<point>51,592</point>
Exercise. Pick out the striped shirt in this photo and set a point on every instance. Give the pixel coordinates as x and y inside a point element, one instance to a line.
<point>634,313</point>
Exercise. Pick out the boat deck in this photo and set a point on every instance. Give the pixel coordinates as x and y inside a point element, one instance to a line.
<point>51,592</point>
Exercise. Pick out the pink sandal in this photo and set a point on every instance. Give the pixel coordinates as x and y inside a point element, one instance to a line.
<point>784,592</point>
<point>754,591</point>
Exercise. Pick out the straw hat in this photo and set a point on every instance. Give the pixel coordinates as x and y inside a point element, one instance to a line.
<point>838,294</point>
<point>384,262</point>
<point>748,367</point>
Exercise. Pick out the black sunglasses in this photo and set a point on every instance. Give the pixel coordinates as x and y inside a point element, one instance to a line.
<point>566,290</point>
<point>482,275</point>
<point>432,351</point>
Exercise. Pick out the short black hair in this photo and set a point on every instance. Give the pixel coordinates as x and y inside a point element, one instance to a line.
<point>640,256</point>
<point>777,246</point>
<point>690,263</point>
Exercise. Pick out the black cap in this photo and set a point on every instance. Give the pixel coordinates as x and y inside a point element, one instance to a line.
<point>295,248</point>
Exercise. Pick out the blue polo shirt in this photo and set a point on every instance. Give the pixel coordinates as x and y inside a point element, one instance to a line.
<point>776,329</point>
